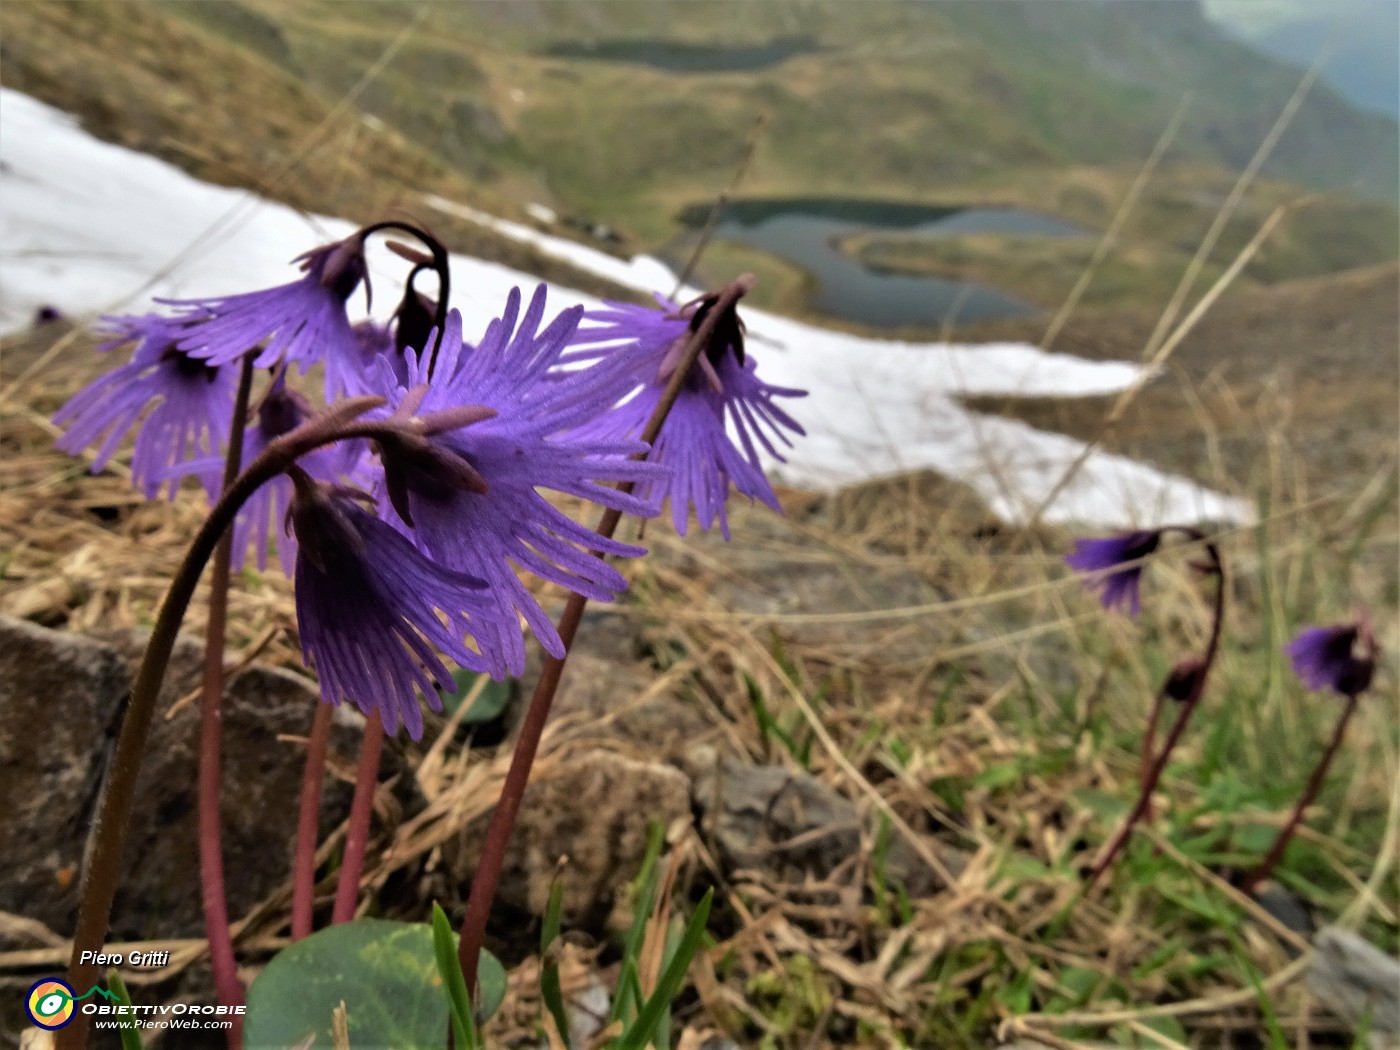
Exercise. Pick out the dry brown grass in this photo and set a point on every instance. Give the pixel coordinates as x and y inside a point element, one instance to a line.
<point>995,714</point>
<point>942,672</point>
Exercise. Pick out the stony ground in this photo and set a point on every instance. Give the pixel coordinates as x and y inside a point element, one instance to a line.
<point>886,729</point>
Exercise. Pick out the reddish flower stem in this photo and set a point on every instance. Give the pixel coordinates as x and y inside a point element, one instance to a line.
<point>103,869</point>
<point>1266,866</point>
<point>361,811</point>
<point>1149,739</point>
<point>493,853</point>
<point>1149,744</point>
<point>1189,703</point>
<point>211,857</point>
<point>304,860</point>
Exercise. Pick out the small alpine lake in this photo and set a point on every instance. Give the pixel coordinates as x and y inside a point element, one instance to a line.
<point>808,231</point>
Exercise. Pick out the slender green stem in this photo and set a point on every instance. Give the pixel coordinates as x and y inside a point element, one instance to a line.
<point>104,863</point>
<point>493,854</point>
<point>361,811</point>
<point>211,858</point>
<point>1266,866</point>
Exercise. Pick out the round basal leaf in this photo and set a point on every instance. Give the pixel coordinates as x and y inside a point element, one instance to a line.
<point>385,974</point>
<point>490,984</point>
<point>489,704</point>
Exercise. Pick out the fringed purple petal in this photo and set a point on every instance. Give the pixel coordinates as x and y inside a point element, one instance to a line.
<point>370,621</point>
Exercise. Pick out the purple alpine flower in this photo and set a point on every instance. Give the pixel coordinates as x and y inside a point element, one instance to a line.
<point>299,323</point>
<point>373,612</point>
<point>695,442</point>
<point>469,495</point>
<point>1340,658</point>
<point>193,403</point>
<point>262,520</point>
<point>1114,563</point>
<point>354,370</point>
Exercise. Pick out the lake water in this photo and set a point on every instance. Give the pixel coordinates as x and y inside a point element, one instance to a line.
<point>676,56</point>
<point>806,232</point>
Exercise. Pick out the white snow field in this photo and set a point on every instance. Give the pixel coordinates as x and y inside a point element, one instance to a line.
<point>90,228</point>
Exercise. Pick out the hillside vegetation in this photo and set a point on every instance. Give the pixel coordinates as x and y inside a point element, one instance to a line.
<point>603,102</point>
<point>630,114</point>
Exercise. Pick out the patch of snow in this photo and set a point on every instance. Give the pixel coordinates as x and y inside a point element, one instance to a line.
<point>91,227</point>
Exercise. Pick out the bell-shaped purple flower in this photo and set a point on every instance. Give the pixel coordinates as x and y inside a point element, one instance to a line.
<point>470,494</point>
<point>373,612</point>
<point>262,520</point>
<point>297,323</point>
<point>1115,567</point>
<point>722,395</point>
<point>1341,658</point>
<point>193,403</point>
<point>354,369</point>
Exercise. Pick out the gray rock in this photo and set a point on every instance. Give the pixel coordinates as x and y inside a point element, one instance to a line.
<point>59,697</point>
<point>792,826</point>
<point>605,689</point>
<point>1287,907</point>
<point>594,809</point>
<point>261,785</point>
<point>1358,982</point>
<point>262,778</point>
<point>611,702</point>
<point>781,584</point>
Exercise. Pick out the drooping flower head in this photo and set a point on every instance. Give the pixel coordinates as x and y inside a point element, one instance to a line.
<point>193,403</point>
<point>356,370</point>
<point>262,521</point>
<point>373,612</point>
<point>1115,565</point>
<point>1340,658</point>
<point>297,323</point>
<point>469,495</point>
<point>722,395</point>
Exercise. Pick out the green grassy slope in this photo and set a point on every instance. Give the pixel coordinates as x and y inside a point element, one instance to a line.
<point>626,113</point>
<point>899,99</point>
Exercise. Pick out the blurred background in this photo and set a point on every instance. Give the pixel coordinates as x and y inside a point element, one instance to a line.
<point>911,167</point>
<point>971,222</point>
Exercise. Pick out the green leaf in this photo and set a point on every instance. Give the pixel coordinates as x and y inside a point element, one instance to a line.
<point>130,1037</point>
<point>645,1026</point>
<point>449,968</point>
<point>1080,982</point>
<point>1108,808</point>
<point>1017,869</point>
<point>1254,838</point>
<point>1016,996</point>
<point>551,988</point>
<point>643,896</point>
<point>385,973</point>
<point>1000,774</point>
<point>490,985</point>
<point>493,699</point>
